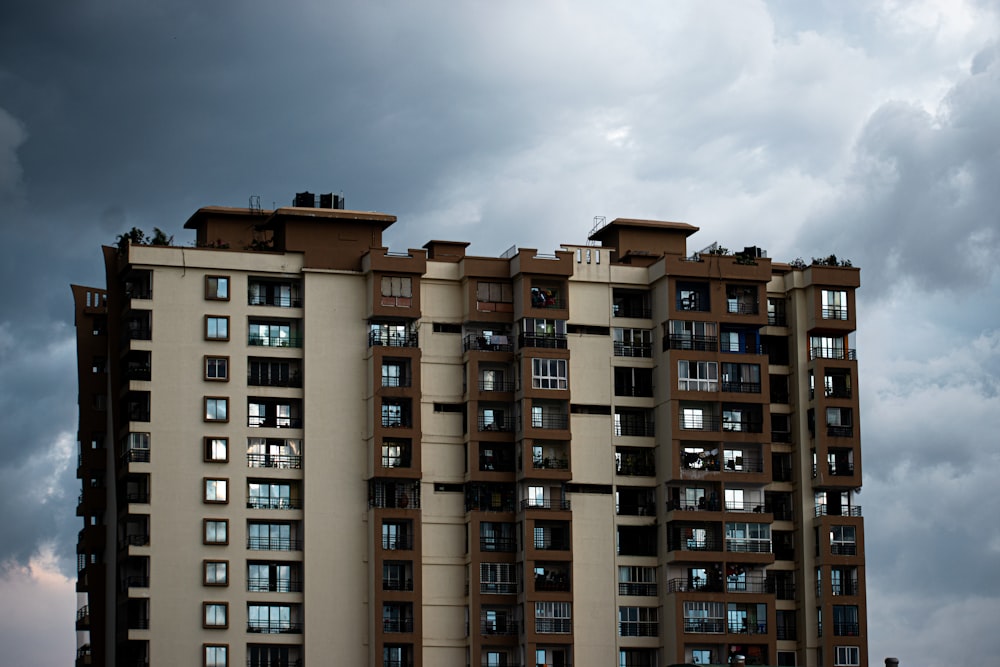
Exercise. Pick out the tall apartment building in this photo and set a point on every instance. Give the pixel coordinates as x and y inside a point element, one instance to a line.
<point>299,448</point>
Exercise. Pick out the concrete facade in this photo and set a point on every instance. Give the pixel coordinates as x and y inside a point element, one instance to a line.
<point>298,447</point>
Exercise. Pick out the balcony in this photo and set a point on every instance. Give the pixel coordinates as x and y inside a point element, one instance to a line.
<point>697,584</point>
<point>393,625</point>
<point>498,628</point>
<point>260,503</point>
<point>823,509</point>
<point>634,423</point>
<point>631,303</point>
<point>496,385</point>
<point>489,498</point>
<point>479,343</point>
<point>273,544</point>
<point>273,585</point>
<point>747,546</point>
<point>560,626</point>
<point>556,341</point>
<point>844,549</point>
<point>274,627</point>
<point>643,350</point>
<point>840,353</point>
<point>273,421</point>
<point>392,338</point>
<point>639,589</point>
<point>693,343</point>
<point>741,387</point>
<point>281,461</point>
<point>278,294</point>
<point>544,504</point>
<point>504,424</point>
<point>498,544</point>
<point>135,456</point>
<point>839,431</point>
<point>549,421</point>
<point>845,629</point>
<point>715,626</point>
<point>549,463</point>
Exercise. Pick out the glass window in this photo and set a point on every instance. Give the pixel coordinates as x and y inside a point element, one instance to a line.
<point>216,573</point>
<point>697,375</point>
<point>216,409</point>
<point>217,288</point>
<point>216,531</point>
<point>217,368</point>
<point>216,656</point>
<point>491,292</point>
<point>216,327</point>
<point>834,304</point>
<point>548,374</point>
<point>216,615</point>
<point>216,490</point>
<point>397,286</point>
<point>847,656</point>
<point>217,449</point>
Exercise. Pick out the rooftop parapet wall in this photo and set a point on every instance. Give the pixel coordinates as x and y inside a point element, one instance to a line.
<point>724,267</point>
<point>633,239</point>
<point>528,261</point>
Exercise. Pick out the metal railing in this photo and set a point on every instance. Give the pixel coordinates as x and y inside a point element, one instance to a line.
<point>274,627</point>
<point>844,549</point>
<point>633,349</point>
<point>834,312</point>
<point>397,542</point>
<point>503,424</point>
<point>845,629</point>
<point>257,340</point>
<point>549,421</point>
<point>550,464</point>
<point>293,380</point>
<point>477,343</point>
<point>273,544</point>
<point>715,626</point>
<point>498,587</point>
<point>274,503</point>
<point>837,510</point>
<point>256,421</point>
<point>135,456</point>
<point>496,385</point>
<point>547,341</point>
<point>840,431</point>
<point>692,343</point>
<point>284,461</point>
<point>498,544</point>
<point>397,584</point>
<point>397,625</point>
<point>273,300</point>
<point>741,387</point>
<point>748,546</point>
<point>387,339</point>
<point>553,626</point>
<point>498,628</point>
<point>681,585</point>
<point>638,629</point>
<point>642,429</point>
<point>269,585</point>
<point>538,504</point>
<point>849,354</point>
<point>635,588</point>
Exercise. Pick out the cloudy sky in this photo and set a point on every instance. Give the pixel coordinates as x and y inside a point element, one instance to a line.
<point>869,129</point>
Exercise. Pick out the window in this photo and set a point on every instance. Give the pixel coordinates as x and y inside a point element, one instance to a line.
<point>834,304</point>
<point>636,580</point>
<point>217,288</point>
<point>216,572</point>
<point>217,449</point>
<point>216,655</point>
<point>216,531</point>
<point>553,617</point>
<point>499,578</point>
<point>845,620</point>
<point>701,656</point>
<point>273,577</point>
<point>690,335</point>
<point>826,347</point>
<point>847,656</point>
<point>396,413</point>
<point>741,299</point>
<point>269,618</point>
<point>273,334</point>
<point>395,373</point>
<point>741,378</point>
<point>395,454</point>
<point>216,409</point>
<point>692,418</point>
<point>264,495</point>
<point>548,374</point>
<point>632,342</point>
<point>396,535</point>
<point>270,536</point>
<point>272,293</point>
<point>703,617</point>
<point>697,375</point>
<point>490,292</point>
<point>692,296</point>
<point>216,490</point>
<point>216,615</point>
<point>842,541</point>
<point>638,622</point>
<point>217,368</point>
<point>748,537</point>
<point>397,286</point>
<point>216,327</point>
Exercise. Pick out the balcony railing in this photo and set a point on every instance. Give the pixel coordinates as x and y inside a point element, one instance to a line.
<point>685,544</point>
<point>748,546</point>
<point>834,312</point>
<point>833,353</point>
<point>777,319</point>
<point>845,629</point>
<point>135,540</point>
<point>136,456</point>
<point>397,542</point>
<point>840,431</point>
<point>715,626</point>
<point>283,461</point>
<point>498,587</point>
<point>257,340</point>
<point>140,373</point>
<point>273,544</point>
<point>549,543</point>
<point>681,585</point>
<point>562,626</point>
<point>783,590</point>
<point>742,307</point>
<point>837,510</point>
<point>274,627</point>
<point>498,628</point>
<point>387,339</point>
<point>549,421</point>
<point>137,333</point>
<point>549,464</point>
<point>477,343</point>
<point>397,625</point>
<point>741,387</point>
<point>268,585</point>
<point>137,581</point>
<point>700,423</point>
<point>638,629</point>
<point>281,301</point>
<point>397,584</point>
<point>293,380</point>
<point>256,421</point>
<point>844,549</point>
<point>503,424</point>
<point>496,385</point>
<point>752,584</point>
<point>744,426</point>
<point>636,469</point>
<point>547,504</point>
<point>548,341</point>
<point>630,588</point>
<point>498,544</point>
<point>274,503</point>
<point>693,343</point>
<point>633,349</point>
<point>844,588</point>
<point>781,436</point>
<point>635,428</point>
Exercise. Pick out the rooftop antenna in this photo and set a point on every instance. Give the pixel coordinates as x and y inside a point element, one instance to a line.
<point>600,222</point>
<point>255,205</point>
<point>707,249</point>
